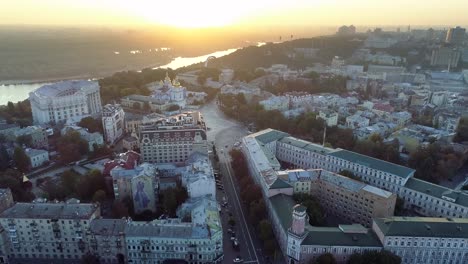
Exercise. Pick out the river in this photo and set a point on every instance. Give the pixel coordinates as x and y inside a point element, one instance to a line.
<point>20,91</point>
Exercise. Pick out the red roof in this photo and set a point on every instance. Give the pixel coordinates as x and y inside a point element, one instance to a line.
<point>127,160</point>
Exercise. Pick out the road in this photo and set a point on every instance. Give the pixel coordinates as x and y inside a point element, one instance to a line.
<point>224,132</point>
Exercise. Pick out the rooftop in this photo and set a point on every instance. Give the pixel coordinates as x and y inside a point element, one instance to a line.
<point>398,170</point>
<point>437,191</point>
<point>423,227</point>
<point>64,88</point>
<point>171,228</point>
<point>107,227</point>
<point>269,135</point>
<point>50,211</point>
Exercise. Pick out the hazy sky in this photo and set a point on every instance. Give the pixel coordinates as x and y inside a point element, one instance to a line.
<point>208,13</point>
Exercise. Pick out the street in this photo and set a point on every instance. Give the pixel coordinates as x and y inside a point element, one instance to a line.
<point>224,132</point>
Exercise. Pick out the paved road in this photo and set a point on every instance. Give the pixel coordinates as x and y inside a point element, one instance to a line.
<point>224,132</point>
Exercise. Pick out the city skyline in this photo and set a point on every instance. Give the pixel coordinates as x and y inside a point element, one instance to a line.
<point>209,13</point>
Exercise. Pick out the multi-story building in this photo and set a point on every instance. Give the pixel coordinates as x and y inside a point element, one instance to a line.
<point>198,241</point>
<point>445,56</point>
<point>107,240</point>
<point>65,100</point>
<point>6,199</point>
<point>356,121</point>
<point>173,139</point>
<point>113,118</point>
<point>198,176</point>
<point>456,36</point>
<point>341,196</point>
<point>47,231</point>
<point>38,136</point>
<point>38,157</point>
<point>424,239</point>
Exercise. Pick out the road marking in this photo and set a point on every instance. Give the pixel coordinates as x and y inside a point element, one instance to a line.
<point>228,166</point>
<point>251,261</point>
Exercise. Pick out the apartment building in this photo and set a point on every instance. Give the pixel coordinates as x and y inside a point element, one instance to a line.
<point>113,118</point>
<point>107,240</point>
<point>47,231</point>
<point>173,139</point>
<point>38,136</point>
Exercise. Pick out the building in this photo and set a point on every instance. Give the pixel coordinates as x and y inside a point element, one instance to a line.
<point>168,93</point>
<point>346,30</point>
<point>138,182</point>
<point>113,118</point>
<point>445,56</point>
<point>47,231</point>
<point>107,240</point>
<point>447,122</point>
<point>349,199</point>
<point>198,240</point>
<point>38,136</point>
<point>59,102</point>
<point>173,139</point>
<point>8,130</point>
<point>424,239</point>
<point>226,76</point>
<point>130,143</point>
<point>94,139</point>
<point>6,199</point>
<point>280,103</point>
<point>198,176</point>
<point>456,36</point>
<point>356,121</point>
<point>329,117</point>
<point>38,157</point>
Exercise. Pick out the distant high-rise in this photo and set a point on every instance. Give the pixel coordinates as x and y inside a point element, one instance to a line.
<point>456,36</point>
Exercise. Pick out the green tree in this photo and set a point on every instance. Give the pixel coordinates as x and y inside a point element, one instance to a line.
<point>25,140</point>
<point>13,179</point>
<point>265,230</point>
<point>326,258</point>
<point>99,196</point>
<point>173,107</point>
<point>137,106</point>
<point>71,147</point>
<point>69,180</point>
<point>119,209</point>
<point>22,161</point>
<point>93,125</point>
<point>4,158</point>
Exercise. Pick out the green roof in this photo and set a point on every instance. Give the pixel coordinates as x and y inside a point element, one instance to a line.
<point>437,191</point>
<point>333,236</point>
<point>306,145</point>
<point>270,135</point>
<point>423,227</point>
<point>398,170</point>
<point>280,184</point>
<point>283,207</point>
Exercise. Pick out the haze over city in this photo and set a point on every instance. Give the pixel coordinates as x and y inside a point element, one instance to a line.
<point>242,131</point>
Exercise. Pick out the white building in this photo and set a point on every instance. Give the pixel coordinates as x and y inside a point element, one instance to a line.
<point>226,76</point>
<point>356,121</point>
<point>329,117</point>
<point>198,176</point>
<point>113,118</point>
<point>169,92</point>
<point>37,157</point>
<point>280,103</point>
<point>65,100</point>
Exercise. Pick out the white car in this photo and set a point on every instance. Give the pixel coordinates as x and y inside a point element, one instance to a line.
<point>237,260</point>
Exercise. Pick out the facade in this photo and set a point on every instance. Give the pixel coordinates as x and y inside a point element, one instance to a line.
<point>198,241</point>
<point>130,143</point>
<point>37,157</point>
<point>113,119</point>
<point>445,56</point>
<point>59,102</point>
<point>107,240</point>
<point>6,199</point>
<point>173,139</point>
<point>47,231</point>
<point>198,176</point>
<point>424,239</point>
<point>38,136</point>
<point>139,183</point>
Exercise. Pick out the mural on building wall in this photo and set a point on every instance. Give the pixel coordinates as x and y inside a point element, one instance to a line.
<point>143,194</point>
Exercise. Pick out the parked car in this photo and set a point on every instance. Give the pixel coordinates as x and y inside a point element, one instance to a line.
<point>237,260</point>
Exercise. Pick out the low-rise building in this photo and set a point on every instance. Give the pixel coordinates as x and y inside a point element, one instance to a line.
<point>38,136</point>
<point>8,130</point>
<point>329,117</point>
<point>198,176</point>
<point>356,121</point>
<point>38,157</point>
<point>130,143</point>
<point>6,199</point>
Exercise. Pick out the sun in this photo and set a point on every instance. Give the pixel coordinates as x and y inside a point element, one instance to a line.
<point>189,13</point>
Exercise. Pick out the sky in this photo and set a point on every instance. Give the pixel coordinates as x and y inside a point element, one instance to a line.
<point>219,13</point>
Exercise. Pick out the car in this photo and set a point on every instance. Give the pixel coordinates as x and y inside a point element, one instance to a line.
<point>235,244</point>
<point>233,238</point>
<point>221,187</point>
<point>226,146</point>
<point>229,230</point>
<point>237,260</point>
